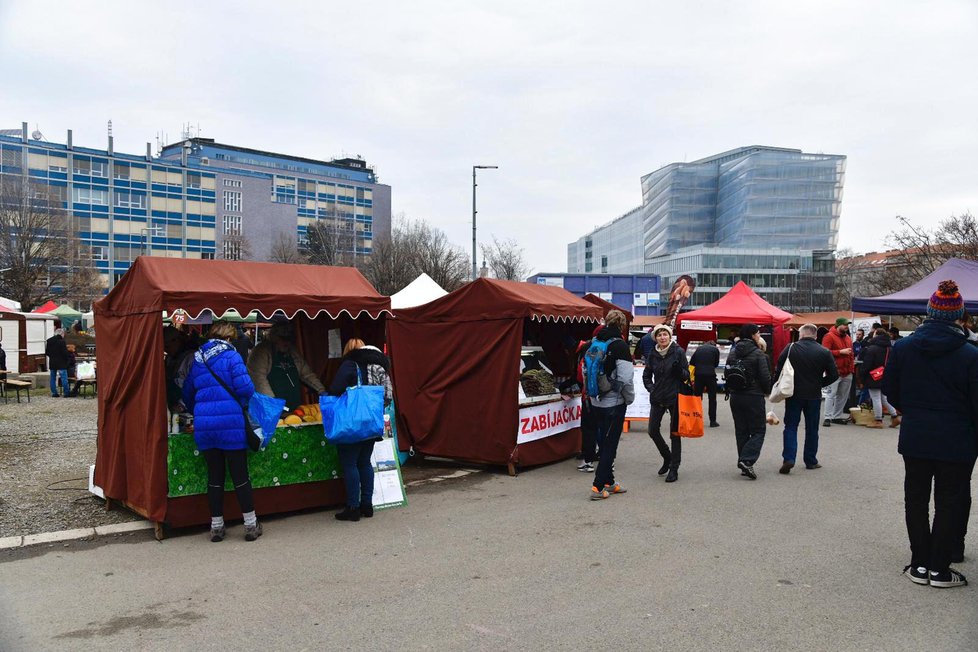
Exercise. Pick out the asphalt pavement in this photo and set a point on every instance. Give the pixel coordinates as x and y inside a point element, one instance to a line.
<point>807,561</point>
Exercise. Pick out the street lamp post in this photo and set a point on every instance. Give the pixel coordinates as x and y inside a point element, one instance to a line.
<point>475,271</point>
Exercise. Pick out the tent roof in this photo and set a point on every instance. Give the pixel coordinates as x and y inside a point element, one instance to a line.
<point>155,284</point>
<point>488,299</point>
<point>607,306</point>
<point>741,305</point>
<point>913,300</point>
<point>418,292</point>
<point>824,318</point>
<point>47,307</point>
<point>64,310</point>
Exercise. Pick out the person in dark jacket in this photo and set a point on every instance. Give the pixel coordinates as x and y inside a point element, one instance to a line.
<point>609,407</point>
<point>57,352</point>
<point>666,370</point>
<point>747,405</point>
<point>644,346</point>
<point>371,367</point>
<point>932,378</point>
<point>219,424</point>
<point>705,360</point>
<point>875,352</point>
<point>814,369</point>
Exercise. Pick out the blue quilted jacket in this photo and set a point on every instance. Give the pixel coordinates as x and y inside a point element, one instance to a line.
<point>218,421</point>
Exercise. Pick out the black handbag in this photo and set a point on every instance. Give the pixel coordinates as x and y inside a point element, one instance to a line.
<point>253,432</point>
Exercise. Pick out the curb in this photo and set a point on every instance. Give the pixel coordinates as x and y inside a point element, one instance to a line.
<point>8,543</point>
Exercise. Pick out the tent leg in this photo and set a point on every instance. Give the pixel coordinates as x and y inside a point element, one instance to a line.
<point>511,468</point>
<point>158,530</point>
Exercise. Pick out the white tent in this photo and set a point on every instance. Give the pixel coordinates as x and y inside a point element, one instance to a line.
<point>10,304</point>
<point>418,292</point>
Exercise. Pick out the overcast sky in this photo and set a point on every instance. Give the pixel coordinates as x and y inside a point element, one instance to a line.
<point>574,101</point>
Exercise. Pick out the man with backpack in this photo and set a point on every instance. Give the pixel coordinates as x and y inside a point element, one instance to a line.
<point>748,381</point>
<point>666,371</point>
<point>608,374</point>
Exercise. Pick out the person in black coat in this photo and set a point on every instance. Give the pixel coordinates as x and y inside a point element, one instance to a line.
<point>932,378</point>
<point>705,360</point>
<point>666,371</point>
<point>747,404</point>
<point>814,369</point>
<point>373,368</point>
<point>875,352</point>
<point>57,352</point>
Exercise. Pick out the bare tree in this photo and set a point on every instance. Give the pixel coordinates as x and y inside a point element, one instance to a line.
<point>844,281</point>
<point>40,252</point>
<point>285,249</point>
<point>415,247</point>
<point>505,260</point>
<point>924,251</point>
<point>236,246</point>
<point>330,243</point>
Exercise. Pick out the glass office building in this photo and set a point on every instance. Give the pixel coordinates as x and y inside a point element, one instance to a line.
<point>615,248</point>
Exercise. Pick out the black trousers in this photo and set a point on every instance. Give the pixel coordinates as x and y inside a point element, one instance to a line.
<point>749,425</point>
<point>588,432</point>
<point>964,512</point>
<point>708,382</point>
<point>931,545</point>
<point>675,456</point>
<point>237,464</point>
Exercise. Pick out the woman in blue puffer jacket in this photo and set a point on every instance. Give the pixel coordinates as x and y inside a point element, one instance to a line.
<point>219,424</point>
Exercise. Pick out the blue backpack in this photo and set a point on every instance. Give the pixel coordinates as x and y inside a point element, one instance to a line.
<point>594,368</point>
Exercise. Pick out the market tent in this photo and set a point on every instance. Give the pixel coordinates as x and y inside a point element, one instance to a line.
<point>826,319</point>
<point>66,314</point>
<point>418,292</point>
<point>608,306</point>
<point>913,300</point>
<point>456,368</point>
<point>131,460</point>
<point>741,305</point>
<point>47,307</point>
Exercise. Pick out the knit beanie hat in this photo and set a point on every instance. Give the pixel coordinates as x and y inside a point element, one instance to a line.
<point>946,304</point>
<point>661,327</point>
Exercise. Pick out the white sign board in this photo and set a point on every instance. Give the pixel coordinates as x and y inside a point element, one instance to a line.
<point>557,282</point>
<point>696,325</point>
<point>639,409</point>
<point>864,323</point>
<point>540,421</point>
<point>607,296</point>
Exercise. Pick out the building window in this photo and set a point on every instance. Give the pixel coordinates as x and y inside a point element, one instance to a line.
<point>232,201</point>
<point>232,183</point>
<point>129,200</point>
<point>232,250</point>
<point>90,196</point>
<point>193,180</point>
<point>81,166</point>
<point>100,253</point>
<point>100,169</point>
<point>232,225</point>
<point>120,170</point>
<point>207,255</point>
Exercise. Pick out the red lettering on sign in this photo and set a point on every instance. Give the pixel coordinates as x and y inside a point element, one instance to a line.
<point>525,427</point>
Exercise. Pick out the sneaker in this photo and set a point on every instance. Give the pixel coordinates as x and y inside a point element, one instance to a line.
<point>813,466</point>
<point>585,467</point>
<point>947,579</point>
<point>218,534</point>
<point>595,494</point>
<point>664,468</point>
<point>875,424</point>
<point>786,468</point>
<point>827,424</point>
<point>252,532</point>
<point>841,422</point>
<point>614,489</point>
<point>917,575</point>
<point>747,470</point>
<point>714,424</point>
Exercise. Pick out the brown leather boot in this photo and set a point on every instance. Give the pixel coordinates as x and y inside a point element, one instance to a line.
<point>895,421</point>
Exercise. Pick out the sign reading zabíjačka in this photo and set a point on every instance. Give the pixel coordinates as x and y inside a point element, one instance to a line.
<point>539,421</point>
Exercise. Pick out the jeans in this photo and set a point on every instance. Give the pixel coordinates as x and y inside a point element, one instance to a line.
<point>836,397</point>
<point>358,474</point>
<point>588,439</point>
<point>675,456</point>
<point>879,402</point>
<point>237,464</point>
<point>608,424</point>
<point>708,382</point>
<point>931,546</point>
<point>794,408</point>
<point>59,373</point>
<point>750,425</point>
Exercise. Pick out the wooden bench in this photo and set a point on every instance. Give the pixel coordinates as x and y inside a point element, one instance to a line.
<point>16,386</point>
<point>83,384</point>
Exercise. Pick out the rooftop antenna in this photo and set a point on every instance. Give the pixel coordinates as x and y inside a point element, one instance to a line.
<point>110,128</point>
<point>37,135</point>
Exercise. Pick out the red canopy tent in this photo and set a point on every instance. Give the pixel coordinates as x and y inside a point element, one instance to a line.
<point>456,369</point>
<point>47,307</point>
<point>131,460</point>
<point>741,305</point>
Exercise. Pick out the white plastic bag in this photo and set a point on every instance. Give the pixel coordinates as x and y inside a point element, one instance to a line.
<point>784,386</point>
<point>85,371</point>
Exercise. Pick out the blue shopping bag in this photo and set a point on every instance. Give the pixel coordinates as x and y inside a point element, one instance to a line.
<point>265,411</point>
<point>356,416</point>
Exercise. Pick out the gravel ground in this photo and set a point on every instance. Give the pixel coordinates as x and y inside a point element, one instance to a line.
<point>46,447</point>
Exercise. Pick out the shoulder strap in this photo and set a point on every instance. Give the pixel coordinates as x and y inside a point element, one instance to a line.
<point>226,388</point>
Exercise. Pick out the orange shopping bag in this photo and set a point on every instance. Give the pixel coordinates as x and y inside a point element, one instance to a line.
<point>690,416</point>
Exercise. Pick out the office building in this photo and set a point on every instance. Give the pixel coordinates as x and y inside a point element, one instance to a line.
<point>638,293</point>
<point>198,199</point>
